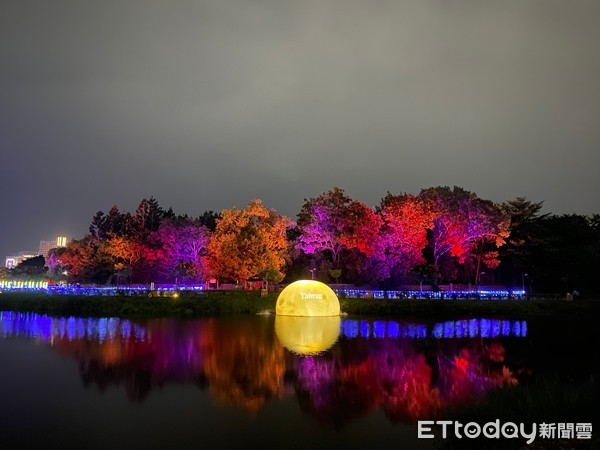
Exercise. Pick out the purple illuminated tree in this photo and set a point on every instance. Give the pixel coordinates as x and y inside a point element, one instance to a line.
<point>184,246</point>
<point>403,234</point>
<point>333,222</point>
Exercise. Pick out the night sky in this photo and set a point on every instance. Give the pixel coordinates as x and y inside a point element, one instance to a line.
<point>208,104</point>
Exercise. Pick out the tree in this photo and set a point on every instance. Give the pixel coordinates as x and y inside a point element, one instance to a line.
<point>184,245</point>
<point>335,274</point>
<point>569,258</point>
<point>88,261</point>
<point>333,223</point>
<point>5,273</point>
<point>527,238</point>
<point>114,223</point>
<point>249,242</point>
<point>403,234</point>
<point>31,268</point>
<point>147,218</point>
<point>465,227</point>
<point>56,269</point>
<point>126,252</point>
<point>209,220</point>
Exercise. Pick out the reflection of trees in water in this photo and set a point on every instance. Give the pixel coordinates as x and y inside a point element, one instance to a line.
<point>170,353</point>
<point>397,378</point>
<point>390,375</point>
<point>472,370</point>
<point>241,362</point>
<point>243,365</point>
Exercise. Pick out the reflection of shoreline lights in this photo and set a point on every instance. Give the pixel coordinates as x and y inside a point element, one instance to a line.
<point>47,328</point>
<point>484,328</point>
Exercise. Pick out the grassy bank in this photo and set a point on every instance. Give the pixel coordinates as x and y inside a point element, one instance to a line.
<point>208,304</point>
<point>247,302</point>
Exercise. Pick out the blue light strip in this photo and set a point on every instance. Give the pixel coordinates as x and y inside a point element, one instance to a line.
<point>499,294</point>
<point>167,289</point>
<point>46,328</point>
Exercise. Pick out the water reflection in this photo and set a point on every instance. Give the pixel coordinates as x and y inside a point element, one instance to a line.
<point>408,370</point>
<point>307,335</point>
<point>484,328</point>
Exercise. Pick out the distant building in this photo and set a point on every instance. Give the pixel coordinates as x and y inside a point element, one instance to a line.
<point>46,246</point>
<point>15,260</point>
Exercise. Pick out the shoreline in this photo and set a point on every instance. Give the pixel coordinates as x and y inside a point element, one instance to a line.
<point>229,303</point>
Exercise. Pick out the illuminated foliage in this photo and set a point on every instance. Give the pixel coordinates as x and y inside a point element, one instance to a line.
<point>333,222</point>
<point>56,269</point>
<point>88,260</point>
<point>249,242</point>
<point>184,245</point>
<point>403,234</point>
<point>465,227</point>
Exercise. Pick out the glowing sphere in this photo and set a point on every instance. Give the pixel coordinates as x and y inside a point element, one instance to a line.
<point>307,335</point>
<point>307,298</point>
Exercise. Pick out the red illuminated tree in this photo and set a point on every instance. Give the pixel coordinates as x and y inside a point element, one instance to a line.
<point>465,227</point>
<point>138,258</point>
<point>88,260</point>
<point>333,222</point>
<point>403,234</point>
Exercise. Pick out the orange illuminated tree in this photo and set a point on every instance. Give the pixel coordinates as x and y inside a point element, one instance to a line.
<point>249,242</point>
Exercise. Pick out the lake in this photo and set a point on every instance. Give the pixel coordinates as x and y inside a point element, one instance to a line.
<point>261,381</point>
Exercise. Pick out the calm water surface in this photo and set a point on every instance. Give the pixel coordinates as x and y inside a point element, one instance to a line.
<point>260,382</point>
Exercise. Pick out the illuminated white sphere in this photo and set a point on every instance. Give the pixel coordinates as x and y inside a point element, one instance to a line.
<point>307,298</point>
<point>307,335</point>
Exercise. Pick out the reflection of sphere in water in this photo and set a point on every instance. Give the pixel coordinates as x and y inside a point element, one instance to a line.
<point>307,298</point>
<point>307,335</point>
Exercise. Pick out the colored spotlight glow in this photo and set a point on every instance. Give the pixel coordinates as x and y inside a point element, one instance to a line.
<point>307,335</point>
<point>307,298</point>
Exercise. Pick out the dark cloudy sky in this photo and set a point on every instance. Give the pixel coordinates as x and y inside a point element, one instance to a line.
<point>208,104</point>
